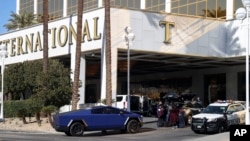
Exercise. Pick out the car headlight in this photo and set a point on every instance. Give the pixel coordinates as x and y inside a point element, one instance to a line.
<point>141,117</point>
<point>212,120</point>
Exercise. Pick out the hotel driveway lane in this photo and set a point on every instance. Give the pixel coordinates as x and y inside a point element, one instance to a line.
<point>149,132</point>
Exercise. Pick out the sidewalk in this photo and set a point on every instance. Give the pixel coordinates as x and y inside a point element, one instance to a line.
<point>149,119</point>
<point>15,124</point>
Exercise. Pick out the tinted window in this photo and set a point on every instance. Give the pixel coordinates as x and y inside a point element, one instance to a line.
<point>109,110</point>
<point>118,98</point>
<point>97,111</point>
<point>105,110</point>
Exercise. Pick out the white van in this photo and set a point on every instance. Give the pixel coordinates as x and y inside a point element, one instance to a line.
<point>135,102</point>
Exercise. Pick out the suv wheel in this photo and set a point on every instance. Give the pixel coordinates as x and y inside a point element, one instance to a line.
<point>221,129</point>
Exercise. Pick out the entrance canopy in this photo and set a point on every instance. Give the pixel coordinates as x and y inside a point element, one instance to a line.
<point>144,63</point>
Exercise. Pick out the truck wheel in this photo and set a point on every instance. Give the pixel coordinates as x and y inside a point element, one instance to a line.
<point>133,126</point>
<point>76,129</point>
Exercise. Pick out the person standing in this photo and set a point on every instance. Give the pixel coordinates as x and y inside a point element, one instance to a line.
<point>160,114</point>
<point>173,116</point>
<point>181,120</point>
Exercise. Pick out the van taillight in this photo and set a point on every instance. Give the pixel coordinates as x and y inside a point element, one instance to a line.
<point>124,105</point>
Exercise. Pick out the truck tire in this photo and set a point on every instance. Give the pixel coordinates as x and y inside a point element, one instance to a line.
<point>76,129</point>
<point>133,126</point>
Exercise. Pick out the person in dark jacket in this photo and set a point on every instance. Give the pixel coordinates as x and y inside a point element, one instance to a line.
<point>160,114</point>
<point>181,119</point>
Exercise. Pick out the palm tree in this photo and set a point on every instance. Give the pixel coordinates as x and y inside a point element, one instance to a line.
<point>108,54</point>
<point>45,47</point>
<point>78,55</point>
<point>45,36</point>
<point>24,19</point>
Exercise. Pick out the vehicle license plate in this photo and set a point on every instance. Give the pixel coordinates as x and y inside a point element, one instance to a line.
<point>198,126</point>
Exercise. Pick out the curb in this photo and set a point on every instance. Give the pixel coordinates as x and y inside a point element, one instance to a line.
<point>149,120</point>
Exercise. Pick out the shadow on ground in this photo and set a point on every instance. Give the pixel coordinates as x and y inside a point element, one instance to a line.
<point>113,132</point>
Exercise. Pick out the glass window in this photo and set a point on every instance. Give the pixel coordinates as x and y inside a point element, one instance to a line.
<point>87,5</point>
<point>26,6</point>
<point>211,6</point>
<point>119,98</point>
<point>105,110</point>
<point>72,7</point>
<point>231,109</point>
<point>90,4</point>
<point>239,108</point>
<point>205,8</point>
<point>192,8</point>
<point>201,6</point>
<point>55,9</point>
<point>155,5</point>
<point>216,9</point>
<point>97,111</point>
<point>132,4</point>
<point>214,109</point>
<point>174,6</point>
<point>109,110</point>
<point>183,7</point>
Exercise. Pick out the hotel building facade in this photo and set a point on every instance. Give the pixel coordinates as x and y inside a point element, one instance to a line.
<point>186,46</point>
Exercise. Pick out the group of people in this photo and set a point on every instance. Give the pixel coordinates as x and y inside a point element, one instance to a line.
<point>169,115</point>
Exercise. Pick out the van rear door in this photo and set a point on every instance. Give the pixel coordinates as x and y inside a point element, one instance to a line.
<point>135,104</point>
